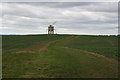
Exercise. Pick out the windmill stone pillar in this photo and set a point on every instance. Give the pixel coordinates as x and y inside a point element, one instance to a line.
<point>50,29</point>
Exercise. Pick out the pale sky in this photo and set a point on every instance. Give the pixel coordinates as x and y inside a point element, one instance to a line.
<point>71,17</point>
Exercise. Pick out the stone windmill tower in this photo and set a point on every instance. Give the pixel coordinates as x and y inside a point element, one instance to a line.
<point>51,29</point>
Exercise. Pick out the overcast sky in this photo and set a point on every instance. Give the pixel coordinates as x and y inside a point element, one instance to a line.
<point>70,17</point>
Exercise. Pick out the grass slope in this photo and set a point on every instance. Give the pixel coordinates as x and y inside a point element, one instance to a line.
<point>104,45</point>
<point>15,43</point>
<point>59,60</point>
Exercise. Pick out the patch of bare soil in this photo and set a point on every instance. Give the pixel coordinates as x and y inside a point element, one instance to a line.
<point>32,48</point>
<point>30,75</point>
<point>66,47</point>
<point>25,51</point>
<point>44,48</point>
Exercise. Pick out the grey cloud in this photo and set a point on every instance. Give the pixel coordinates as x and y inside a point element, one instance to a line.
<point>69,16</point>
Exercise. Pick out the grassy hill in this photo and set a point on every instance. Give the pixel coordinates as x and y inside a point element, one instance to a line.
<point>105,45</point>
<point>60,56</point>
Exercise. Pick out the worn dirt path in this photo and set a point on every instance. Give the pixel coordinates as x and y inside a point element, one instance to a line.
<point>68,39</point>
<point>43,48</point>
<point>102,56</point>
<point>96,54</point>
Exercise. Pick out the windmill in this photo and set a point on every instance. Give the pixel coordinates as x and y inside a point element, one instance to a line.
<point>51,28</point>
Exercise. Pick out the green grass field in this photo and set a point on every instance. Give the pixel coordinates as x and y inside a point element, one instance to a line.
<point>60,56</point>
